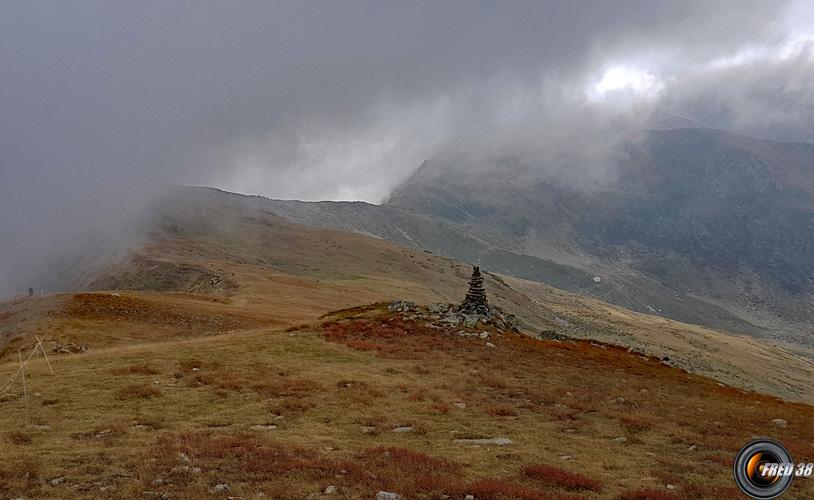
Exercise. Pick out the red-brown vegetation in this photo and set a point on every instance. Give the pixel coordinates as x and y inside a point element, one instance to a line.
<point>142,369</point>
<point>560,478</point>
<point>502,411</point>
<point>18,437</point>
<point>710,492</point>
<point>406,471</point>
<point>497,489</point>
<point>115,307</point>
<point>141,391</point>
<point>246,457</point>
<point>391,336</point>
<point>646,494</point>
<point>21,474</point>
<point>636,423</point>
<point>442,408</point>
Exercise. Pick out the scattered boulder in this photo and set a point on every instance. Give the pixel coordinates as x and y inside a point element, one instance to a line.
<point>261,427</point>
<point>452,318</point>
<point>401,306</point>
<point>443,316</point>
<point>57,481</point>
<point>471,320</point>
<point>779,422</point>
<point>69,348</point>
<point>386,495</point>
<point>552,335</point>
<point>330,490</point>
<point>497,441</point>
<point>438,308</point>
<point>219,488</point>
<point>403,428</point>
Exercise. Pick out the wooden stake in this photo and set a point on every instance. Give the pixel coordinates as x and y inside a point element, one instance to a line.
<point>42,349</point>
<point>25,391</point>
<point>10,382</point>
<point>7,386</point>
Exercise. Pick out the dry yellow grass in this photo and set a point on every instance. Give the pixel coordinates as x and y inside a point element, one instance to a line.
<point>127,420</point>
<point>282,274</point>
<point>245,385</point>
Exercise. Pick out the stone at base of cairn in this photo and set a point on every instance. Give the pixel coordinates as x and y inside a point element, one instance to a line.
<point>449,315</point>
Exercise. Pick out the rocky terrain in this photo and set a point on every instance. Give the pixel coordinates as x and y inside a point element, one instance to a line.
<point>450,315</point>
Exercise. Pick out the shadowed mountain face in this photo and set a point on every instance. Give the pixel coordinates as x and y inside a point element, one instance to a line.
<point>694,224</point>
<point>719,208</point>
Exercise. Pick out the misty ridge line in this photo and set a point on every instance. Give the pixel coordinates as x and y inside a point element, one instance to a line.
<point>104,105</point>
<point>84,248</point>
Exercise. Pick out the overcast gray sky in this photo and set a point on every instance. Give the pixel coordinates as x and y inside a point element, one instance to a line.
<point>102,102</point>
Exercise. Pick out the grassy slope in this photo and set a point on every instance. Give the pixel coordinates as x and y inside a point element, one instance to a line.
<point>551,399</point>
<point>281,273</point>
<point>119,417</point>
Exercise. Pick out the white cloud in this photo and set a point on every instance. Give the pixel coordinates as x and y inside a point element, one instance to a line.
<point>627,81</point>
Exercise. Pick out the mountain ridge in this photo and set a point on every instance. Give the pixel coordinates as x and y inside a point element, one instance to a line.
<point>699,225</point>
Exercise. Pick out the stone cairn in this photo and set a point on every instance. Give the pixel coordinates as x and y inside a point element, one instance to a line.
<point>475,301</point>
<point>473,312</point>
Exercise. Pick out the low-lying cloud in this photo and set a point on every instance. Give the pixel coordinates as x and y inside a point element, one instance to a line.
<point>101,104</point>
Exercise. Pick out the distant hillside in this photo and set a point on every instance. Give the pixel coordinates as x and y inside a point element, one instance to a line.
<point>211,262</point>
<point>693,224</point>
<point>213,352</point>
